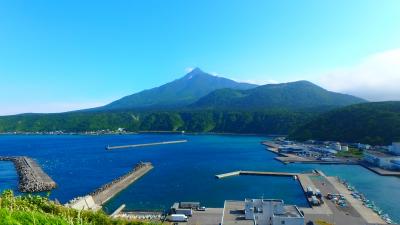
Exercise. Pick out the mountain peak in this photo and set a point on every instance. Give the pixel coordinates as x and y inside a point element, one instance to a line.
<point>196,70</point>
<point>180,92</point>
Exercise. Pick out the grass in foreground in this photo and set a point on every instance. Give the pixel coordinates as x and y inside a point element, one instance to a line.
<point>37,210</point>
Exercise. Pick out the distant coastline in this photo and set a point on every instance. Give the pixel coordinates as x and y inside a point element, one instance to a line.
<point>142,132</point>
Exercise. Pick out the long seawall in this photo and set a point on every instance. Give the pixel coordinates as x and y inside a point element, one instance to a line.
<point>109,190</point>
<point>254,173</point>
<point>146,144</point>
<point>31,176</point>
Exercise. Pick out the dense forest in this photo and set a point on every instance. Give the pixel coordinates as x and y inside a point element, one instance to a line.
<point>268,122</point>
<point>374,123</point>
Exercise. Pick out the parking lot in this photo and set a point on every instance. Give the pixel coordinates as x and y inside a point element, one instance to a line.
<point>212,216</point>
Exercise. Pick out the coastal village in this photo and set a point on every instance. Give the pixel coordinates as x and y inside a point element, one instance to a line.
<point>384,160</point>
<point>330,199</point>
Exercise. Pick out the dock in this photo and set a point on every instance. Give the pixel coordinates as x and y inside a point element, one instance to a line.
<point>31,176</point>
<point>270,144</point>
<point>379,171</point>
<point>254,173</point>
<point>145,145</point>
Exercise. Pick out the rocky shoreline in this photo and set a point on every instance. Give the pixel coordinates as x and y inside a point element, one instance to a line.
<point>31,177</point>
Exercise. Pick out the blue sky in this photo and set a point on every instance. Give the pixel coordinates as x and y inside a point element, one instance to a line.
<point>64,55</point>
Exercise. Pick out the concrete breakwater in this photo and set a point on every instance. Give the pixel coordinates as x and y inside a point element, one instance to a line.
<point>31,176</point>
<point>146,144</point>
<point>109,190</point>
<point>254,173</point>
<point>97,198</point>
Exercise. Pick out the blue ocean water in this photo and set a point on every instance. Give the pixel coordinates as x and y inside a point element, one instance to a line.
<point>183,172</point>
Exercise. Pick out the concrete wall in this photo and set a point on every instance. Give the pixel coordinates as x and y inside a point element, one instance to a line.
<point>85,202</point>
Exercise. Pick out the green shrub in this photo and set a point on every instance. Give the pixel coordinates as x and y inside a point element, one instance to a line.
<point>38,210</point>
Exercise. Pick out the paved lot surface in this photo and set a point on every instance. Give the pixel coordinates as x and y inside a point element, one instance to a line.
<point>354,214</point>
<point>212,216</point>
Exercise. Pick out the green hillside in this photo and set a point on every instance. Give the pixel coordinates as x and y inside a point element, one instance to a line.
<point>267,122</point>
<point>373,123</point>
<point>294,95</point>
<point>180,92</point>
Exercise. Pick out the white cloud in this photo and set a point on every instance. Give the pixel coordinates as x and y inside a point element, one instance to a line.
<point>257,81</point>
<point>376,78</point>
<point>52,107</point>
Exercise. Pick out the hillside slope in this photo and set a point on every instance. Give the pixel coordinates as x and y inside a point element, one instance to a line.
<point>293,95</point>
<point>183,91</point>
<point>373,123</point>
<point>271,122</point>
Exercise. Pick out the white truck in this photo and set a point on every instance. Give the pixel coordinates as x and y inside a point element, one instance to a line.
<point>186,212</point>
<point>177,218</point>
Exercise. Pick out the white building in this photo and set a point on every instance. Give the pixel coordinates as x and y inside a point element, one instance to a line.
<point>345,148</point>
<point>271,212</point>
<point>395,148</point>
<point>363,146</point>
<point>261,212</point>
<point>335,146</point>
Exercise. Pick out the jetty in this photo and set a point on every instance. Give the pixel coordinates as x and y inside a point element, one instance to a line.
<point>109,190</point>
<point>97,198</point>
<point>254,173</point>
<point>145,145</point>
<point>31,176</point>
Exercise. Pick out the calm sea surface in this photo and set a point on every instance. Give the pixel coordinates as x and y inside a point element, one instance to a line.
<point>183,172</point>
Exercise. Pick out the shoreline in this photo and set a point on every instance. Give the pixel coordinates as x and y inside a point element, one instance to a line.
<point>137,132</point>
<point>286,158</point>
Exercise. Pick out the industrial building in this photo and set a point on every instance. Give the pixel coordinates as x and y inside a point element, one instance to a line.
<point>261,212</point>
<point>395,148</point>
<point>382,160</point>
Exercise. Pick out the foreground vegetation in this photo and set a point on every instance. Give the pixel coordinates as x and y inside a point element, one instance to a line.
<point>29,209</point>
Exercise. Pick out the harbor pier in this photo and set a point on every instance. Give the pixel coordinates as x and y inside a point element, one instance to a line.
<point>31,176</point>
